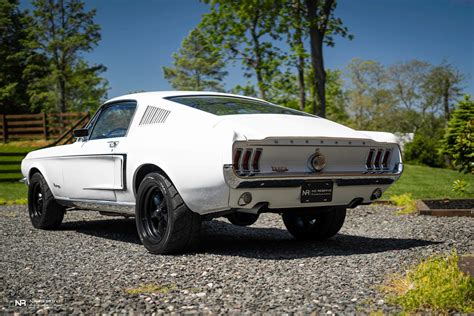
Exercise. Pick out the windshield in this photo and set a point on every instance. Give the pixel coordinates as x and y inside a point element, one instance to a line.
<point>233,105</point>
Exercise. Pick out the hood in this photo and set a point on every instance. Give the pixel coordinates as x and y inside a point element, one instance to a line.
<point>261,126</point>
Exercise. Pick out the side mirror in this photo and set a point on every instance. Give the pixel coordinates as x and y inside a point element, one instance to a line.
<point>81,132</point>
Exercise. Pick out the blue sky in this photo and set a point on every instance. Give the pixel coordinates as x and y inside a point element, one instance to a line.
<point>138,37</point>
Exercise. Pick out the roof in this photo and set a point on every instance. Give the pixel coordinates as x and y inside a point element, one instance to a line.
<point>165,94</point>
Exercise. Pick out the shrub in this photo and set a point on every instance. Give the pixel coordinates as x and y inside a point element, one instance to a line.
<point>458,142</point>
<point>406,203</point>
<point>435,284</point>
<point>424,150</point>
<point>460,186</point>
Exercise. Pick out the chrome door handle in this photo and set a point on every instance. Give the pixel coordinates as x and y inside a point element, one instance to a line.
<point>113,144</point>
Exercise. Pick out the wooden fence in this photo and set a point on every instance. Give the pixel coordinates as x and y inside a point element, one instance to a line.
<point>38,126</point>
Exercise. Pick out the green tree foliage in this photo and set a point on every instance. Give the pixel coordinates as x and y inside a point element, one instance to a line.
<point>283,91</point>
<point>424,150</point>
<point>458,142</point>
<point>245,30</point>
<point>197,66</point>
<point>13,22</point>
<point>371,102</point>
<point>61,31</point>
<point>444,87</point>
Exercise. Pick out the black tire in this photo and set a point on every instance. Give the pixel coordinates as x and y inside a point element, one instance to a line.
<point>242,219</point>
<point>45,212</point>
<point>316,226</point>
<point>164,223</point>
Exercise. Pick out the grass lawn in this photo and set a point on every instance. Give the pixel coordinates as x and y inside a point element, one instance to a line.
<point>11,155</point>
<point>426,182</point>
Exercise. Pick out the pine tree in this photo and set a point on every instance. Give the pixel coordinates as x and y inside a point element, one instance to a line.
<point>13,96</point>
<point>458,142</point>
<point>197,66</point>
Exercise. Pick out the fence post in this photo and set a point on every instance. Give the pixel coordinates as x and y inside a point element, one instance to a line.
<point>45,126</point>
<point>5,128</point>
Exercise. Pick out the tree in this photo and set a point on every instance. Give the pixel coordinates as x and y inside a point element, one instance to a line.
<point>443,87</point>
<point>322,25</point>
<point>61,31</point>
<point>458,142</point>
<point>197,66</point>
<point>244,29</point>
<point>13,22</point>
<point>407,80</point>
<point>292,23</point>
<point>371,102</point>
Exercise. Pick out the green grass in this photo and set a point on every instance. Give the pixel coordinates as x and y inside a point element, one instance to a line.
<point>435,284</point>
<point>429,183</point>
<point>13,191</point>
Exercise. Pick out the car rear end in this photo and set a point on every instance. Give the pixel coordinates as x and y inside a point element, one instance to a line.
<point>301,172</point>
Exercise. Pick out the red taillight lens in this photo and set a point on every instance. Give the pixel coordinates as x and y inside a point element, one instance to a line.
<point>370,156</point>
<point>377,159</point>
<point>256,160</point>
<point>246,159</point>
<point>386,159</point>
<point>237,155</point>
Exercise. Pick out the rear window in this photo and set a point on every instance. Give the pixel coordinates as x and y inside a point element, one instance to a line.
<point>232,105</point>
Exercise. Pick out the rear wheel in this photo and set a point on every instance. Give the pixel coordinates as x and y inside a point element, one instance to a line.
<point>164,223</point>
<point>45,212</point>
<point>242,219</point>
<point>315,226</point>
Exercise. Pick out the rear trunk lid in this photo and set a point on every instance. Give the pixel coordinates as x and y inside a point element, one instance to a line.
<point>261,126</point>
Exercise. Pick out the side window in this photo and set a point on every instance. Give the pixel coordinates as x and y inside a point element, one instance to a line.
<point>113,121</point>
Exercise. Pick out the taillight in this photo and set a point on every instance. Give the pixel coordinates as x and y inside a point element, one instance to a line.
<point>386,159</point>
<point>247,160</point>
<point>256,160</point>
<point>237,155</point>
<point>368,161</point>
<point>377,159</point>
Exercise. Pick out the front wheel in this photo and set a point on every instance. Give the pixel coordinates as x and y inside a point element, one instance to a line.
<point>164,223</point>
<point>315,226</point>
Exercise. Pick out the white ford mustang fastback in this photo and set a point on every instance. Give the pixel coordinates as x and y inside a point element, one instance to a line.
<point>172,159</point>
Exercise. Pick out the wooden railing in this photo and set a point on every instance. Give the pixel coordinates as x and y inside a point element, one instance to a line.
<point>37,126</point>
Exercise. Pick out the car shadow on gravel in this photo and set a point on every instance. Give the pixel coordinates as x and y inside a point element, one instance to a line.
<point>219,237</point>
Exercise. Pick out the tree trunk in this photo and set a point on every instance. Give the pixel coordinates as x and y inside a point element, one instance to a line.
<point>301,62</point>
<point>258,57</point>
<point>447,113</point>
<point>316,36</point>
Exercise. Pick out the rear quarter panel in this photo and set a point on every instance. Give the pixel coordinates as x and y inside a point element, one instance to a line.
<point>188,148</point>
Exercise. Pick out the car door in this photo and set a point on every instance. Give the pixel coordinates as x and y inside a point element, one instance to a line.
<point>95,168</point>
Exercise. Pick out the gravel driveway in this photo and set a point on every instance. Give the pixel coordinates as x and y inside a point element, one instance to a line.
<point>90,263</point>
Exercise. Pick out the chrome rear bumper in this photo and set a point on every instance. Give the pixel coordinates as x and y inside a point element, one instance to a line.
<point>295,180</point>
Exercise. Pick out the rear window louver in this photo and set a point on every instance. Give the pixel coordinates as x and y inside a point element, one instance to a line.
<point>154,115</point>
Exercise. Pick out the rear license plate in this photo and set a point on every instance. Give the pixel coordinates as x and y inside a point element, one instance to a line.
<point>320,191</point>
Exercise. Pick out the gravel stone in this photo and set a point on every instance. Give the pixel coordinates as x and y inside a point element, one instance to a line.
<point>88,265</point>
